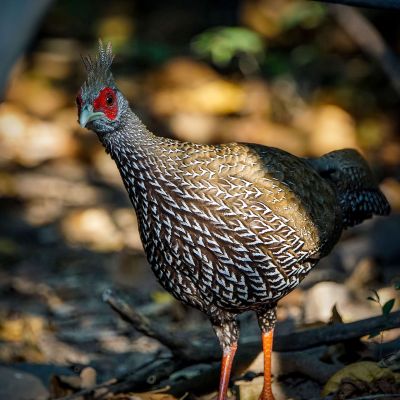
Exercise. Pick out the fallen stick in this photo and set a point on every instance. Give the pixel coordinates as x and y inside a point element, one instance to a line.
<point>183,374</point>
<point>381,4</point>
<point>179,346</point>
<point>389,396</point>
<point>209,350</point>
<point>336,333</point>
<point>142,378</point>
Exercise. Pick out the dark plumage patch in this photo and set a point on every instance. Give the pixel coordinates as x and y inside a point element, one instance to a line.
<point>362,204</point>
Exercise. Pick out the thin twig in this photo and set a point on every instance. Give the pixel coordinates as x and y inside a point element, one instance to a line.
<point>178,345</point>
<point>380,4</point>
<point>369,39</point>
<point>395,396</point>
<point>336,333</point>
<point>209,350</point>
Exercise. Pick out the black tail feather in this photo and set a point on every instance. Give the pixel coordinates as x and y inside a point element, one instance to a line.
<point>362,204</point>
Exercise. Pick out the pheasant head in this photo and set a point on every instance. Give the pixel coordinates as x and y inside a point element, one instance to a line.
<point>100,104</point>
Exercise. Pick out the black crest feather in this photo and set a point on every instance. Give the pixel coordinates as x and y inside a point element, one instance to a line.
<point>99,69</point>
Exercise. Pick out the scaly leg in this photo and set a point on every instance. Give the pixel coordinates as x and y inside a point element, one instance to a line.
<point>267,339</point>
<point>226,366</point>
<point>228,333</point>
<point>266,321</point>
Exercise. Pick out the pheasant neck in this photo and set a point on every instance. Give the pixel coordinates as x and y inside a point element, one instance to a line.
<point>133,148</point>
<point>131,138</point>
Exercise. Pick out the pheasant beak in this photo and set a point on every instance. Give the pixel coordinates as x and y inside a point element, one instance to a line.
<point>88,115</point>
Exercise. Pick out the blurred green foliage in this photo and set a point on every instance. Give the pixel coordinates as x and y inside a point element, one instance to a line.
<point>222,44</point>
<point>308,15</point>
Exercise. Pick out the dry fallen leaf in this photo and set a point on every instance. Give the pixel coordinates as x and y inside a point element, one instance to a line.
<point>366,371</point>
<point>94,228</point>
<point>26,328</point>
<point>29,141</point>
<point>38,96</point>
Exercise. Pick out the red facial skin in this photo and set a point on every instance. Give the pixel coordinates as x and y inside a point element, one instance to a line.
<point>106,102</point>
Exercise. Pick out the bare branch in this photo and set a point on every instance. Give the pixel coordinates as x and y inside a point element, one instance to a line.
<point>383,4</point>
<point>388,396</point>
<point>369,39</point>
<point>290,342</point>
<point>336,333</point>
<point>179,346</point>
<point>183,374</point>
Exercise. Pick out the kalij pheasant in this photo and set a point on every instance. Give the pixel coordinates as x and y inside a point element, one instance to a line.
<point>231,227</point>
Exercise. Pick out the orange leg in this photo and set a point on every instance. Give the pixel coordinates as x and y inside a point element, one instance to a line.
<point>267,339</point>
<point>226,366</point>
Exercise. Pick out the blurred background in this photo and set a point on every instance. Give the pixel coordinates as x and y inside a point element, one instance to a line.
<point>286,73</point>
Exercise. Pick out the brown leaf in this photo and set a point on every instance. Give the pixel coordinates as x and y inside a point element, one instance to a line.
<point>360,373</point>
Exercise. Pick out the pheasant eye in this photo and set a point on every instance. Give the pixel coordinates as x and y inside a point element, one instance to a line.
<point>106,102</point>
<point>109,100</point>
